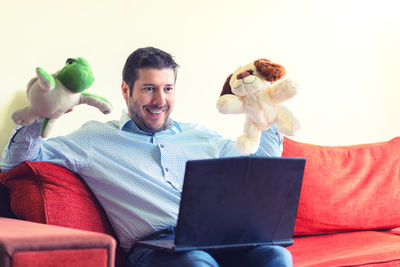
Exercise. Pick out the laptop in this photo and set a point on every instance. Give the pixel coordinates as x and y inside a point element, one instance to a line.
<point>232,203</point>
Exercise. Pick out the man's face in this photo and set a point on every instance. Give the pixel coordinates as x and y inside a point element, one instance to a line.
<point>152,99</point>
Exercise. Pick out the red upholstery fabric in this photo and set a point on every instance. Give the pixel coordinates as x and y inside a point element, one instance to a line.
<point>47,193</point>
<point>61,258</point>
<point>23,242</point>
<point>395,231</point>
<point>348,187</point>
<point>365,248</point>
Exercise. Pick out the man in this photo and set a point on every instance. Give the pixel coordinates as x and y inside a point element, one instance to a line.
<point>135,166</point>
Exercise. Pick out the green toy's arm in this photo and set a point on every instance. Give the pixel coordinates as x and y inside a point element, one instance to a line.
<point>99,102</point>
<point>46,81</point>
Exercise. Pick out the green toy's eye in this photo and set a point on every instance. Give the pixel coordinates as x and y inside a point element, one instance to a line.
<point>70,61</point>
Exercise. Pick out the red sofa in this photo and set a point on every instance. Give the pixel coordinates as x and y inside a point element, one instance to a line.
<point>348,212</point>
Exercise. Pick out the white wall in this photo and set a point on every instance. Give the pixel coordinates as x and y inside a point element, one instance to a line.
<point>345,54</point>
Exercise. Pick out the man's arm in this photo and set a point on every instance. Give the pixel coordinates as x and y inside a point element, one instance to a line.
<point>24,144</point>
<point>71,151</point>
<point>270,145</point>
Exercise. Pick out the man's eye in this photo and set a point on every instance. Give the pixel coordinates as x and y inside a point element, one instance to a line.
<point>148,88</point>
<point>169,89</point>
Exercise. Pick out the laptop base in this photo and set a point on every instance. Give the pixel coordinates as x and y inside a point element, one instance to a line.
<point>169,246</point>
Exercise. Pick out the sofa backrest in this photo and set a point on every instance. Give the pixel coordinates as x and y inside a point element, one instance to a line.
<point>344,188</point>
<point>347,188</point>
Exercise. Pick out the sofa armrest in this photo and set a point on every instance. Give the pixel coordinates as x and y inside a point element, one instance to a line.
<point>43,192</point>
<point>24,243</point>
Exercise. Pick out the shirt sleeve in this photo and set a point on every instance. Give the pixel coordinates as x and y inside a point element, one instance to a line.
<point>24,144</point>
<point>270,145</point>
<point>72,151</point>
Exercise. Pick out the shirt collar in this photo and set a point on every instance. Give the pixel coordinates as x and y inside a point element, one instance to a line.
<point>128,125</point>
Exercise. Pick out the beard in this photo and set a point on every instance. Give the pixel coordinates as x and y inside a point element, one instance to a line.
<point>136,115</point>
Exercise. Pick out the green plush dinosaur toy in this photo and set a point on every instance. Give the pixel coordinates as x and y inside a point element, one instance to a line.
<point>51,96</point>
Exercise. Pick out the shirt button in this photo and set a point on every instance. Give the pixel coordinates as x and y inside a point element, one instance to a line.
<point>166,169</point>
<point>162,146</point>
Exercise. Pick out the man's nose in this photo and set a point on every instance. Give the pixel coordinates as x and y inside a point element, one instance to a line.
<point>158,98</point>
<point>242,75</point>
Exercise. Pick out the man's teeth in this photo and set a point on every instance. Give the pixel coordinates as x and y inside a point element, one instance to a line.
<point>158,111</point>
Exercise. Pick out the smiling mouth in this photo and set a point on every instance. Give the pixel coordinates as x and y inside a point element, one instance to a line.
<point>243,82</point>
<point>156,110</point>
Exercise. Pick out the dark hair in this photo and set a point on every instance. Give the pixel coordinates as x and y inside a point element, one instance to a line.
<point>147,57</point>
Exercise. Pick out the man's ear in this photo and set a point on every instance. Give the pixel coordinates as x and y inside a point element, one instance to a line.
<point>125,90</point>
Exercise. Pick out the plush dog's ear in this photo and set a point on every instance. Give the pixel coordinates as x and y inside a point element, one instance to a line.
<point>268,70</point>
<point>227,88</point>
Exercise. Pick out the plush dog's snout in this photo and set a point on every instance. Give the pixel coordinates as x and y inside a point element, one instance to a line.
<point>242,75</point>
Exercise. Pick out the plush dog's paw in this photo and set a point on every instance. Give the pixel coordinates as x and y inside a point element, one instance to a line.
<point>287,123</point>
<point>289,128</point>
<point>230,104</point>
<point>246,145</point>
<point>282,90</point>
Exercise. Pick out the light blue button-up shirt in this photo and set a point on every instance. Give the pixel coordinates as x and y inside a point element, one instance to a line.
<point>136,176</point>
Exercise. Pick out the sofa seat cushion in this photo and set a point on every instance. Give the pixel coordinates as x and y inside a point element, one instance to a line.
<point>364,248</point>
<point>46,193</point>
<point>347,188</point>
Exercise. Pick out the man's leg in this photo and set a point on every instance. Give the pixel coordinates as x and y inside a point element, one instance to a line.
<point>268,256</point>
<point>142,257</point>
<point>261,256</point>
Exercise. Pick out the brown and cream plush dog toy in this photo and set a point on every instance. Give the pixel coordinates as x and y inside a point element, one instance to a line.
<point>256,90</point>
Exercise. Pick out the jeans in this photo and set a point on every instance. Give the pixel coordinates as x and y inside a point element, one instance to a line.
<point>254,257</point>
